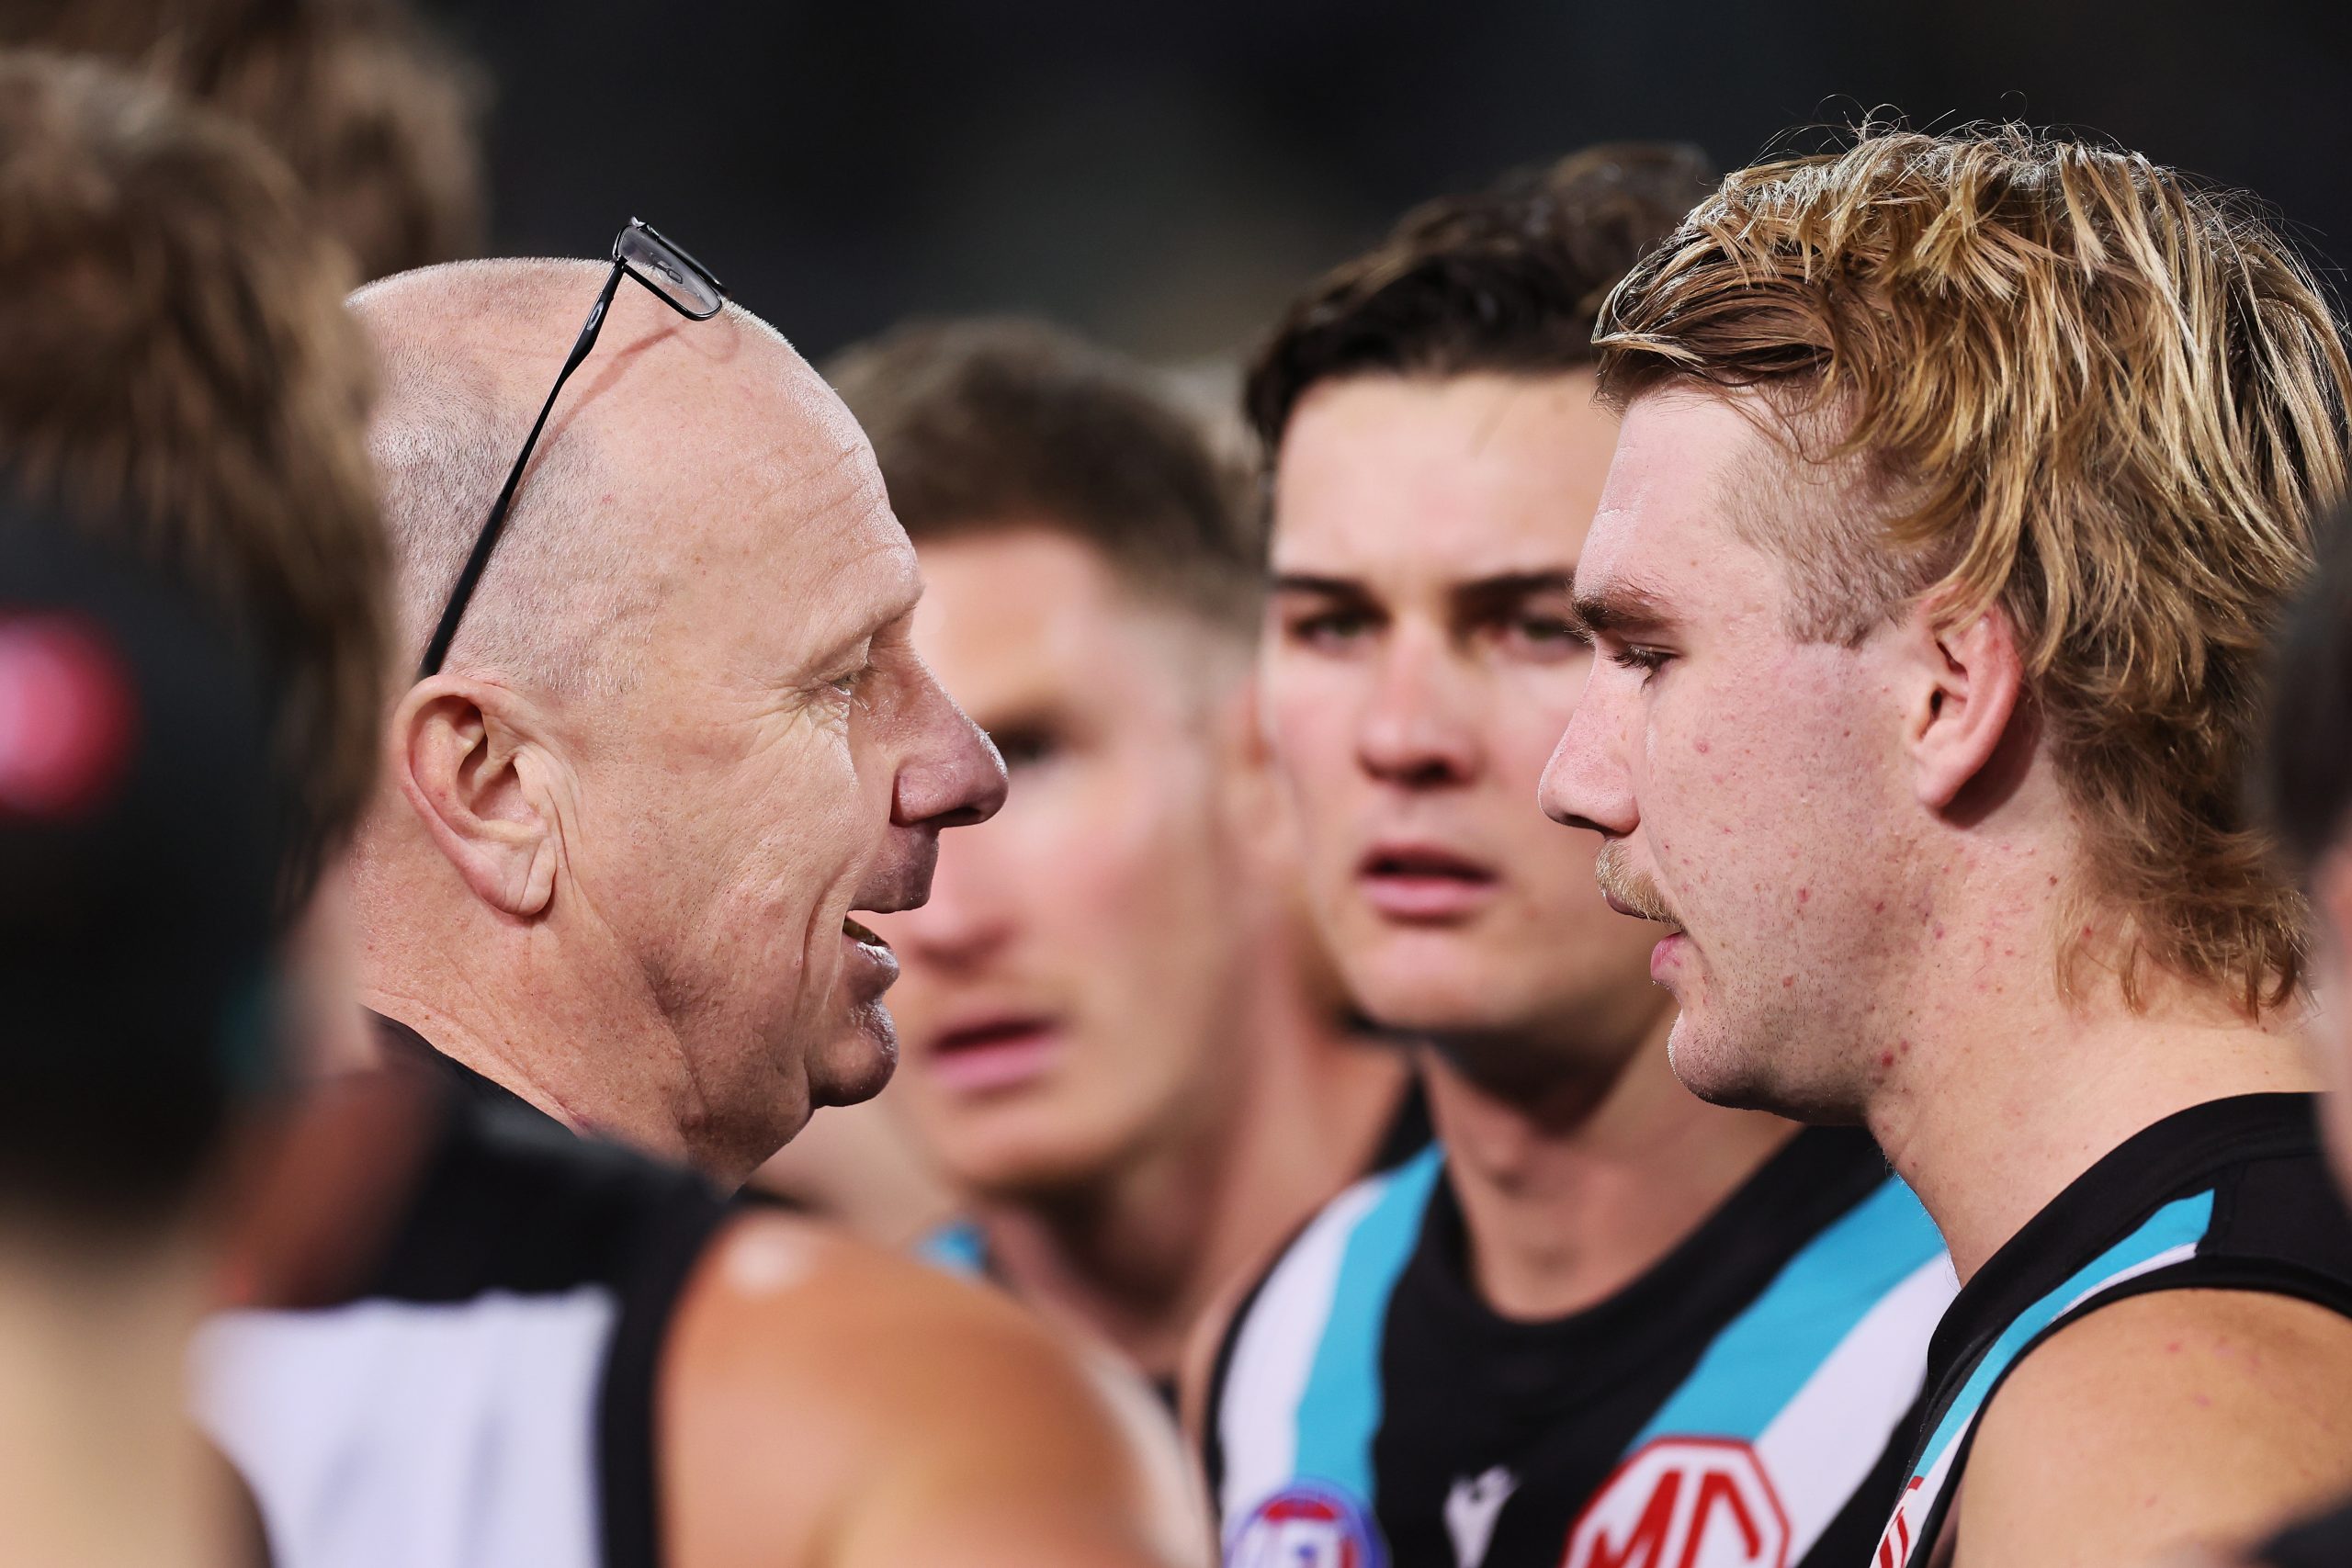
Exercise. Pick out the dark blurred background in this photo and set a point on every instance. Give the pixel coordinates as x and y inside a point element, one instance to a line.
<point>1164,174</point>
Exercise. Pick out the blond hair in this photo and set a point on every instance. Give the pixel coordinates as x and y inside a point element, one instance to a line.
<point>2061,380</point>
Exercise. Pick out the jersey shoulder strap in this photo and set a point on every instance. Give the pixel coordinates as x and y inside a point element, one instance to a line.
<point>1296,1392</point>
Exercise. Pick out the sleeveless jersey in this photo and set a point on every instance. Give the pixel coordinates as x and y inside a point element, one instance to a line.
<point>486,1398</point>
<point>2323,1542</point>
<point>2229,1195</point>
<point>1743,1404</point>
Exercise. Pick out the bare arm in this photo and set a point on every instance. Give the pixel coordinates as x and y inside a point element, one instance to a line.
<point>2169,1423</point>
<point>824,1404</point>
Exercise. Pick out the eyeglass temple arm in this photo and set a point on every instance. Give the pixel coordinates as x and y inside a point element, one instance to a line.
<point>436,650</point>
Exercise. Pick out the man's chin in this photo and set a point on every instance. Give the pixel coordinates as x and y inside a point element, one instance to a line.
<point>855,1065</point>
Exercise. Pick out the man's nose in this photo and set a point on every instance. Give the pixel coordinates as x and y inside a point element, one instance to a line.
<point>1415,729</point>
<point>951,775</point>
<point>1586,783</point>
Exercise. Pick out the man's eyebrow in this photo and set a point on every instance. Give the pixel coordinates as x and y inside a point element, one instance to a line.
<point>1308,582</point>
<point>1506,587</point>
<point>1619,608</point>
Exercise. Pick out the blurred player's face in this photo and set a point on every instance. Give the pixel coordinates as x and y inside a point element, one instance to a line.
<point>1417,666</point>
<point>2332,1025</point>
<point>1071,990</point>
<point>1750,784</point>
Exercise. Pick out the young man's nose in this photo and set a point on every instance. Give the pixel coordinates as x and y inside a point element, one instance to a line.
<point>1585,785</point>
<point>1416,727</point>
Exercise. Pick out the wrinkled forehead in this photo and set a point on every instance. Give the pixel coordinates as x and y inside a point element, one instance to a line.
<point>768,501</point>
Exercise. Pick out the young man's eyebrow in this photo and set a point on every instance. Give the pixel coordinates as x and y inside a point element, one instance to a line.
<point>1506,587</point>
<point>1308,582</point>
<point>1619,608</point>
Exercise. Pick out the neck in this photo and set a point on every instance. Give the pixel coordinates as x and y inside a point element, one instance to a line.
<point>1989,1111</point>
<point>1136,1256</point>
<point>1573,1190</point>
<point>508,1003</point>
<point>99,1463</point>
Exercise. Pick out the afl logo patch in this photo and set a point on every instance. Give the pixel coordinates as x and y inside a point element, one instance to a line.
<point>1307,1526</point>
<point>1683,1502</point>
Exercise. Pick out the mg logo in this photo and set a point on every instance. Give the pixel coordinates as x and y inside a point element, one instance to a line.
<point>1683,1502</point>
<point>1307,1526</point>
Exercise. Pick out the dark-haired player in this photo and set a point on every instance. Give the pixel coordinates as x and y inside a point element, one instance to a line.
<point>1960,476</point>
<point>1118,1044</point>
<point>1605,1324</point>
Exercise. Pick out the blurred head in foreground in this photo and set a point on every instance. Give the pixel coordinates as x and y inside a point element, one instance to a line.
<point>190,648</point>
<point>375,114</point>
<point>681,733</point>
<point>1437,452</point>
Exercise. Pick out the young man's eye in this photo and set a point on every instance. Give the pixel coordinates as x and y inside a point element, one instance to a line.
<point>1329,628</point>
<point>1649,660</point>
<point>1025,748</point>
<point>1549,634</point>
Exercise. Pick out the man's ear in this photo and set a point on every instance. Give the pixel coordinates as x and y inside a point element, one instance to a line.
<point>1960,729</point>
<point>463,756</point>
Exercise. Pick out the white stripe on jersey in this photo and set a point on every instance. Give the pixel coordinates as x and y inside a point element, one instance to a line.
<point>400,1434</point>
<point>1258,1427</point>
<point>1821,1446</point>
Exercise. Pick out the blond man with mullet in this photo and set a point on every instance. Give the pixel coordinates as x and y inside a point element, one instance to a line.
<point>1959,480</point>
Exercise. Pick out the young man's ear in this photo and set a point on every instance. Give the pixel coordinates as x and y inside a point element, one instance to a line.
<point>462,756</point>
<point>1961,730</point>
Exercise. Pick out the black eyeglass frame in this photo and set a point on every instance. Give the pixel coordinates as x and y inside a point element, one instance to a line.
<point>659,247</point>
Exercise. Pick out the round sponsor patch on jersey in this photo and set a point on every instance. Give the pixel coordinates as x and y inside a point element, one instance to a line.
<point>1307,1526</point>
<point>1683,1502</point>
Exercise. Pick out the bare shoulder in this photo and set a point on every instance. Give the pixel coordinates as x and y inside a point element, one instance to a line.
<point>2159,1423</point>
<point>824,1402</point>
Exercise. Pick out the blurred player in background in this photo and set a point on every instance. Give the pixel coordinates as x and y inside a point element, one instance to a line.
<point>374,113</point>
<point>1119,1048</point>
<point>2304,784</point>
<point>1961,478</point>
<point>1603,1323</point>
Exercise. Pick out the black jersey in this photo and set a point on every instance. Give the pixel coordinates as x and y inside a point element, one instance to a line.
<point>2231,1195</point>
<point>2323,1542</point>
<point>486,1397</point>
<point>1746,1403</point>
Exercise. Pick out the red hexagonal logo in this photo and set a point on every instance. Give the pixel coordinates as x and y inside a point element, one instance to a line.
<point>1683,1502</point>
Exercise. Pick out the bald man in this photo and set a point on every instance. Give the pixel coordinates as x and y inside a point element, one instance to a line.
<point>679,735</point>
<point>463,1336</point>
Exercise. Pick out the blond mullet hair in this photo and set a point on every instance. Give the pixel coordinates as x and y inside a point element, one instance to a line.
<point>2061,380</point>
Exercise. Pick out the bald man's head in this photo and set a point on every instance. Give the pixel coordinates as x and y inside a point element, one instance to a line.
<point>468,353</point>
<point>680,733</point>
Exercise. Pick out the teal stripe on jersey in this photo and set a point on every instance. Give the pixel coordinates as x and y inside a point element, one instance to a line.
<point>957,1246</point>
<point>1339,1410</point>
<point>1763,1357</point>
<point>2182,1222</point>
